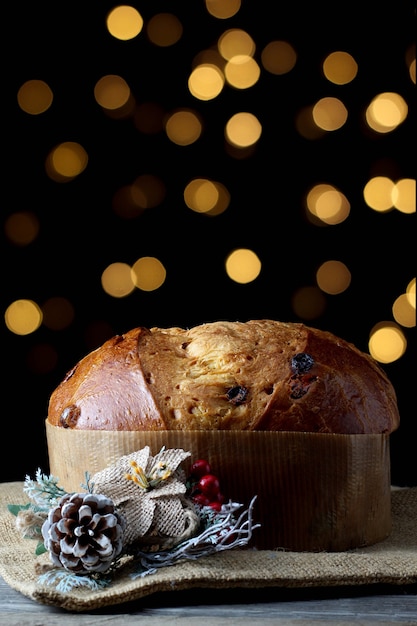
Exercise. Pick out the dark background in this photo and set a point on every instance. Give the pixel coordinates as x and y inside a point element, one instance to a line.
<point>67,45</point>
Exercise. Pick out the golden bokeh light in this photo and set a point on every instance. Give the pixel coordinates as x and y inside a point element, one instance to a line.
<point>340,68</point>
<point>116,280</point>
<point>35,97</point>
<point>386,112</point>
<point>206,196</point>
<point>23,317</point>
<point>66,161</point>
<point>243,130</point>
<point>411,292</point>
<point>404,195</point>
<point>223,200</point>
<point>278,57</point>
<point>206,81</point>
<point>175,163</point>
<point>327,204</point>
<point>223,9</point>
<point>236,41</point>
<point>242,71</point>
<point>164,29</point>
<point>333,277</point>
<point>22,227</point>
<point>112,92</point>
<point>183,127</point>
<point>410,61</point>
<point>243,265</point>
<point>148,273</point>
<point>332,207</point>
<point>124,22</point>
<point>378,193</point>
<point>201,195</point>
<point>412,70</point>
<point>330,114</point>
<point>404,312</point>
<point>387,342</point>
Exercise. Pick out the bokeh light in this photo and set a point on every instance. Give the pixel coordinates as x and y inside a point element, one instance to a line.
<point>378,193</point>
<point>206,82</point>
<point>112,92</point>
<point>183,127</point>
<point>333,277</point>
<point>168,165</point>
<point>117,280</point>
<point>148,273</point>
<point>387,342</point>
<point>23,317</point>
<point>242,71</point>
<point>243,265</point>
<point>340,67</point>
<point>386,112</point>
<point>164,29</point>
<point>329,114</point>
<point>404,195</point>
<point>35,97</point>
<point>327,204</point>
<point>206,196</point>
<point>236,42</point>
<point>243,130</point>
<point>124,22</point>
<point>223,9</point>
<point>278,57</point>
<point>66,161</point>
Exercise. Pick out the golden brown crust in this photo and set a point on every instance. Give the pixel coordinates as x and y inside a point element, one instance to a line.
<point>256,375</point>
<point>106,391</point>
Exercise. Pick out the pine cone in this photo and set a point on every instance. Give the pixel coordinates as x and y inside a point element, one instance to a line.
<point>83,533</point>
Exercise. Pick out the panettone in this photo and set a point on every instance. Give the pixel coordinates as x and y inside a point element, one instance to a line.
<point>293,415</point>
<point>259,375</point>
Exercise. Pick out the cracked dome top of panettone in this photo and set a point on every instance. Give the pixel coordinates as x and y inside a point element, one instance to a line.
<point>222,375</point>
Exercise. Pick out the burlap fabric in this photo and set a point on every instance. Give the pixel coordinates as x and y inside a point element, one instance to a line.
<point>149,515</point>
<point>392,561</point>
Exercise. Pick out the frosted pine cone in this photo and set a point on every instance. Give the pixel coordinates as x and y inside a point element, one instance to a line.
<point>83,533</point>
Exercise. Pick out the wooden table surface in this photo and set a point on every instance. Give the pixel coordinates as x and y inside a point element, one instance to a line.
<point>341,606</point>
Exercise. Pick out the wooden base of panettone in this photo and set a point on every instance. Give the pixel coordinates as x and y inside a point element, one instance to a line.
<point>314,492</point>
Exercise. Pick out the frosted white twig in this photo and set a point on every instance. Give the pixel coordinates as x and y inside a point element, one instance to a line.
<point>225,533</point>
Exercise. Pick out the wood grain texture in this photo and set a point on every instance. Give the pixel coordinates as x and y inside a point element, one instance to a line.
<point>371,605</point>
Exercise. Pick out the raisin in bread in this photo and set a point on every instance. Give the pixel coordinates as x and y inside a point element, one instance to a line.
<point>255,375</point>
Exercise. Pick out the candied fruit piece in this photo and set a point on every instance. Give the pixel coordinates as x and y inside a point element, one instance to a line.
<point>301,363</point>
<point>237,395</point>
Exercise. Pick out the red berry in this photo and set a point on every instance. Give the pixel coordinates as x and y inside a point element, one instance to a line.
<point>209,485</point>
<point>215,505</point>
<point>220,498</point>
<point>199,468</point>
<point>201,499</point>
